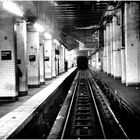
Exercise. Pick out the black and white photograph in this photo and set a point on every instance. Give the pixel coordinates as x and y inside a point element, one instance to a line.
<point>69,69</point>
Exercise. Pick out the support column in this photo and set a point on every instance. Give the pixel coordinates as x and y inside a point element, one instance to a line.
<point>105,53</point>
<point>123,65</point>
<point>21,35</point>
<point>132,41</point>
<point>64,58</point>
<point>61,58</point>
<point>89,61</point>
<point>104,59</point>
<point>8,86</point>
<point>53,60</point>
<point>111,47</point>
<point>93,61</point>
<point>98,61</point>
<point>123,58</point>
<point>108,49</point>
<point>57,59</point>
<point>48,58</point>
<point>33,57</point>
<point>116,49</point>
<point>42,63</point>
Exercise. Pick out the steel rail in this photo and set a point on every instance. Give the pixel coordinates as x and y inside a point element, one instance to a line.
<point>68,114</point>
<point>97,110</point>
<point>116,120</point>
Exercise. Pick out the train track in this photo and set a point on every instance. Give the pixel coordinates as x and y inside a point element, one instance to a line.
<point>84,119</point>
<point>89,115</point>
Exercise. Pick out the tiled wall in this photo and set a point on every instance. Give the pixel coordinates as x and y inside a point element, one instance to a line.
<point>7,56</point>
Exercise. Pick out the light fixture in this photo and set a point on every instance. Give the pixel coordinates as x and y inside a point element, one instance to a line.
<point>12,8</point>
<point>56,41</point>
<point>38,27</point>
<point>55,4</point>
<point>47,35</point>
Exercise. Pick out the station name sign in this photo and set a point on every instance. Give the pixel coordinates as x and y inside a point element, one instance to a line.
<point>6,55</point>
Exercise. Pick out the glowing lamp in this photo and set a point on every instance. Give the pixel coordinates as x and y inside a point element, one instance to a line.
<point>56,41</point>
<point>12,8</point>
<point>47,35</point>
<point>38,27</point>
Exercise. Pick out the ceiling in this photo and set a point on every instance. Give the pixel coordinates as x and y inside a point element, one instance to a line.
<point>73,14</point>
<point>78,20</point>
<point>75,20</point>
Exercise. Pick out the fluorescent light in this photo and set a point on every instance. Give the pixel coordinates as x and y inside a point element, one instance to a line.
<point>55,4</point>
<point>15,27</point>
<point>47,35</point>
<point>56,41</point>
<point>38,27</point>
<point>12,8</point>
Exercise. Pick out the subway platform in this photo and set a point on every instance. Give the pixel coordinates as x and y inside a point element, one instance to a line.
<point>15,115</point>
<point>128,94</point>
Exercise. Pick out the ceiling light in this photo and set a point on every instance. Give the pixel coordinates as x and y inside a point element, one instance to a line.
<point>55,4</point>
<point>12,8</point>
<point>38,27</point>
<point>47,35</point>
<point>56,41</point>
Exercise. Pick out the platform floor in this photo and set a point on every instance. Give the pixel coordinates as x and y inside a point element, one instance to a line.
<point>6,107</point>
<point>130,94</point>
<point>15,115</point>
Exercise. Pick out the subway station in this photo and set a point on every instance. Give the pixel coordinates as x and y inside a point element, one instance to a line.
<point>69,69</point>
